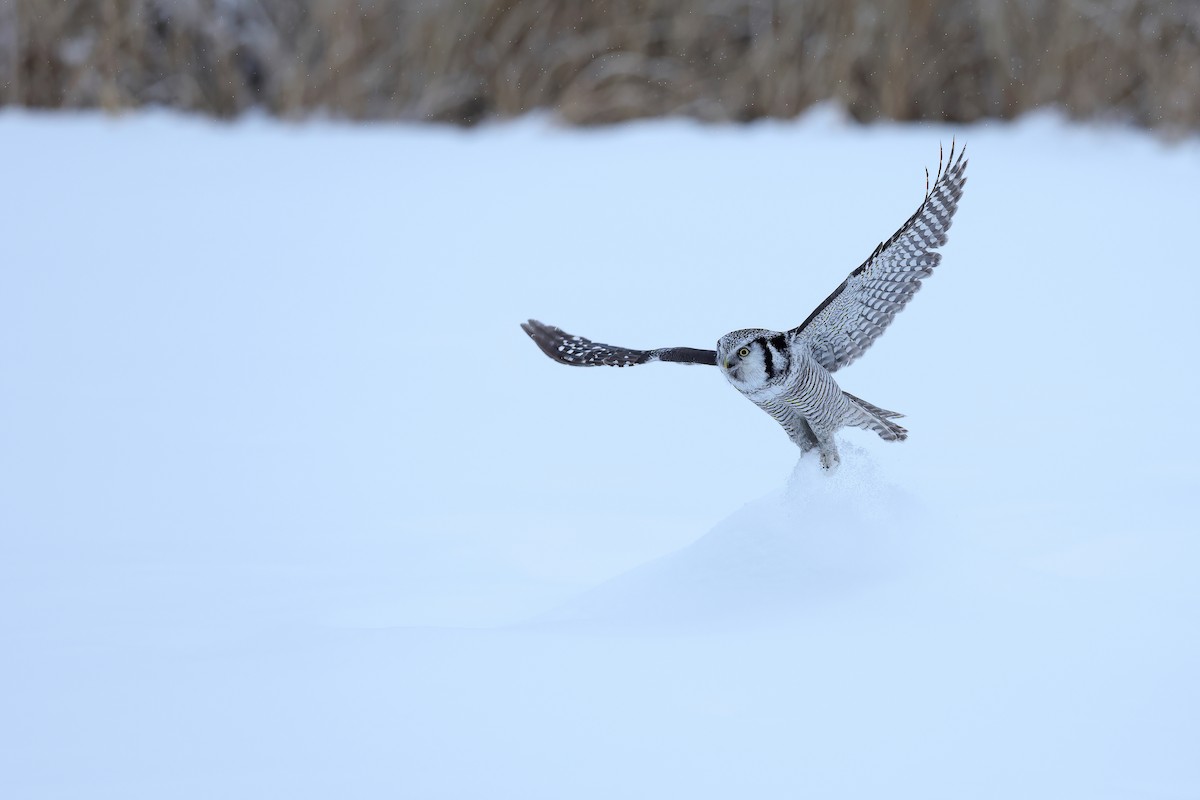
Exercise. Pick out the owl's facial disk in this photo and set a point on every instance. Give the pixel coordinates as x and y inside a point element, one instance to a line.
<point>733,361</point>
<point>747,360</point>
<point>741,360</point>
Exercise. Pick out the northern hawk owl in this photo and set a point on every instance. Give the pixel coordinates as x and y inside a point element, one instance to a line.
<point>789,374</point>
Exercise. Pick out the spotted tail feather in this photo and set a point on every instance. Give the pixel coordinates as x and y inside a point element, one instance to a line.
<point>874,418</point>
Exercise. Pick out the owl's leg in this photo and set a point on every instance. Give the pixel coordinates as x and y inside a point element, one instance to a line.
<point>802,435</point>
<point>829,451</point>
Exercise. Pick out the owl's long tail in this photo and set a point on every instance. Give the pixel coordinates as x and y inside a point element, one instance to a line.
<point>874,418</point>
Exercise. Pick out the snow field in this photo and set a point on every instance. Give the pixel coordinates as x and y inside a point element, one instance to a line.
<point>290,506</point>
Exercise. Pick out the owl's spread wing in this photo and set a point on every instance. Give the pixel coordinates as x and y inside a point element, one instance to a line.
<point>845,325</point>
<point>577,351</point>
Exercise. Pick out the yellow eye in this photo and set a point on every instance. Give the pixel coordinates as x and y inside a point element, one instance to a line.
<point>745,351</point>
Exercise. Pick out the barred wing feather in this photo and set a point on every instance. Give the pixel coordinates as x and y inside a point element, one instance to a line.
<point>577,351</point>
<point>857,313</point>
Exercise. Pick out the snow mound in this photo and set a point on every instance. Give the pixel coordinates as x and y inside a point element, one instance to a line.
<point>818,537</point>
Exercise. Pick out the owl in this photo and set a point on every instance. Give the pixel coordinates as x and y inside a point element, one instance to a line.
<point>789,374</point>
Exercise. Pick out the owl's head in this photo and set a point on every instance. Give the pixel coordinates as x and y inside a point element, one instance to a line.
<point>752,358</point>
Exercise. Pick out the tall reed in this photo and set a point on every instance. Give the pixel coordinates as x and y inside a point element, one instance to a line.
<point>603,61</point>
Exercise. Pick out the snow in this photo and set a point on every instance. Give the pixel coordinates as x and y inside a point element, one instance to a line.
<point>290,506</point>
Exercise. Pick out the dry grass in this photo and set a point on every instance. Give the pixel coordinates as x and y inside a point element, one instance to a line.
<point>609,60</point>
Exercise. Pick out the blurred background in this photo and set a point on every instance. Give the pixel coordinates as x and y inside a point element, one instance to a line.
<point>605,61</point>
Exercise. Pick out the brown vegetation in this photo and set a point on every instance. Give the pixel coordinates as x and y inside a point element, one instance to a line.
<point>609,60</point>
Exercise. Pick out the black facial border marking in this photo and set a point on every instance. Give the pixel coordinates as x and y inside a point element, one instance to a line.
<point>768,358</point>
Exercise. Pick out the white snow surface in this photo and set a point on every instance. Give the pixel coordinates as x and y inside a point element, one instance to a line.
<point>291,507</point>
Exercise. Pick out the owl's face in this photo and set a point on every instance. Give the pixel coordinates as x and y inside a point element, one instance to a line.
<point>746,358</point>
